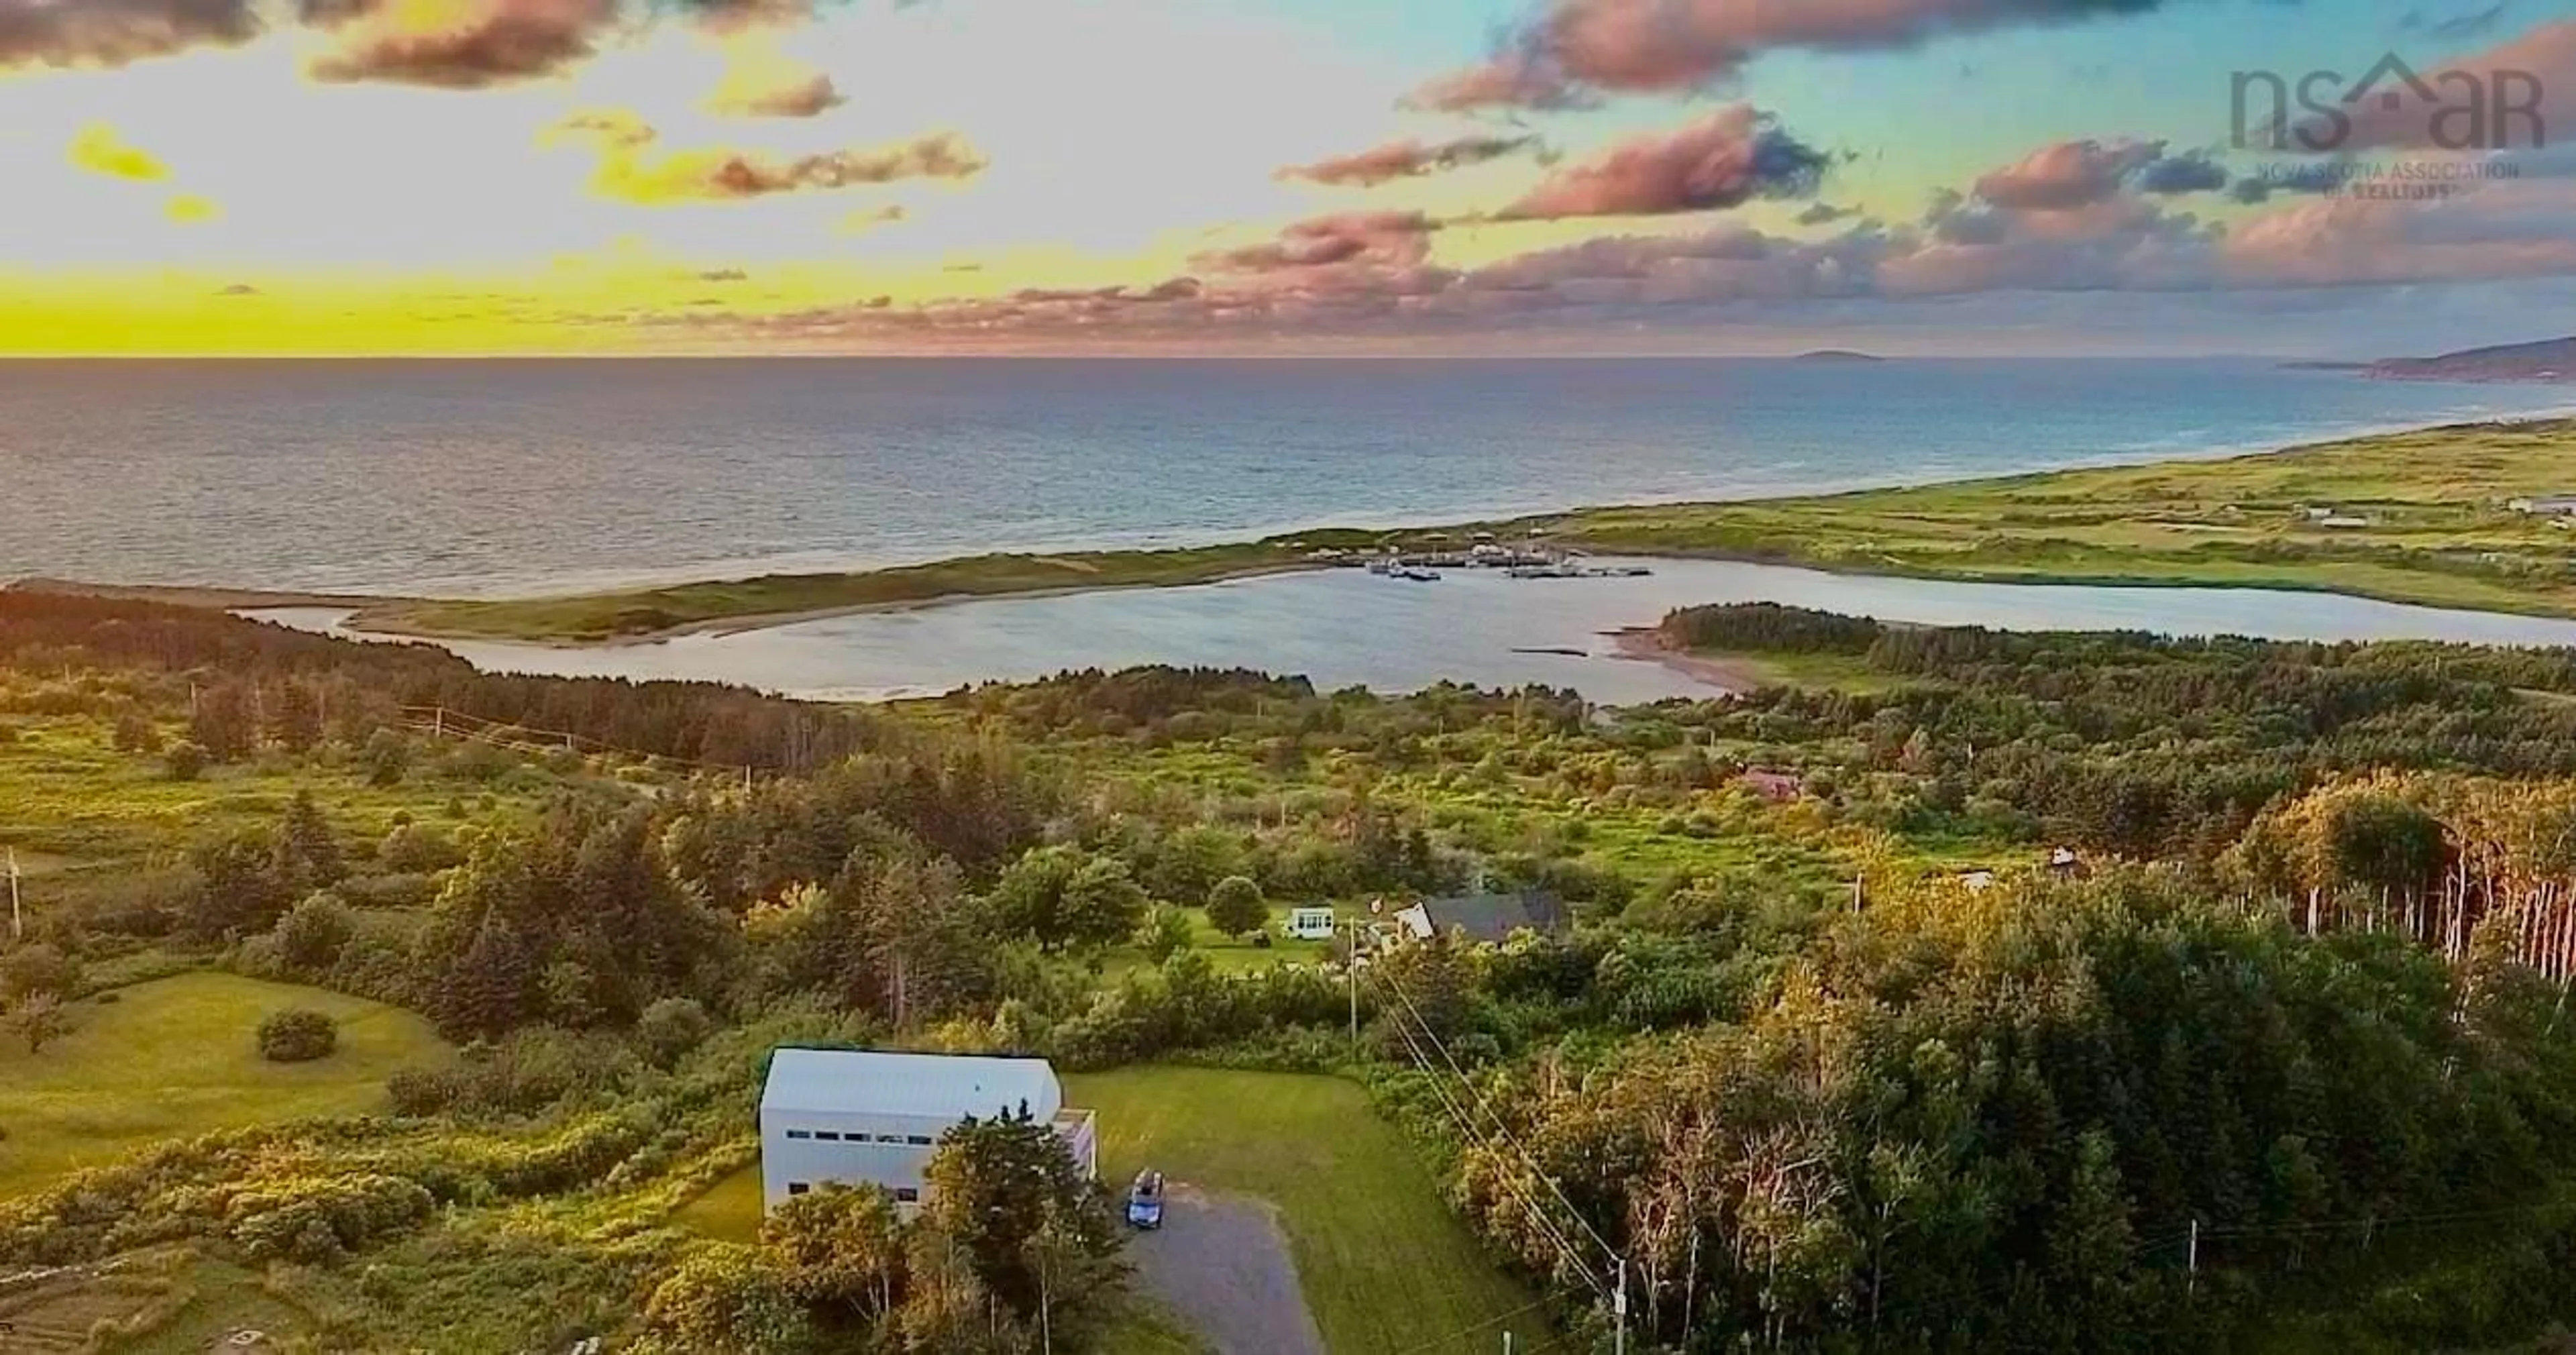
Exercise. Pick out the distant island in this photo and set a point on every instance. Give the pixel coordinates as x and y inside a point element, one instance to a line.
<point>2547,360</point>
<point>1837,355</point>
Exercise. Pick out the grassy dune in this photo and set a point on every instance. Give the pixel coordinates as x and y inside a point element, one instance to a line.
<point>2439,530</point>
<point>2439,534</point>
<point>177,1057</point>
<point>652,611</point>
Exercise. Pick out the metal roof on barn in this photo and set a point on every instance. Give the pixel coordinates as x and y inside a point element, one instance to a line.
<point>934,1086</point>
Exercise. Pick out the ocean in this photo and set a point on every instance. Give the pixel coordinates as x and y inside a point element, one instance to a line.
<point>515,477</point>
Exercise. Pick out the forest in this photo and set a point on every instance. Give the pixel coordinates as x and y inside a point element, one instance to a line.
<point>2062,992</point>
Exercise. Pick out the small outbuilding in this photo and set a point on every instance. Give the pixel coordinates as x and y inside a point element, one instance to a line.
<point>1311,923</point>
<point>869,1117</point>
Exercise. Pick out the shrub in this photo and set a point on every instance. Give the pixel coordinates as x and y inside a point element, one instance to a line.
<point>135,733</point>
<point>412,849</point>
<point>670,1028</point>
<point>186,761</point>
<point>37,968</point>
<point>523,1074</point>
<point>297,1035</point>
<point>312,934</point>
<point>387,757</point>
<point>396,891</point>
<point>1165,933</point>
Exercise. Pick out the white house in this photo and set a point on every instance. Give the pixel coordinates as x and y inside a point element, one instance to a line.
<point>866,1117</point>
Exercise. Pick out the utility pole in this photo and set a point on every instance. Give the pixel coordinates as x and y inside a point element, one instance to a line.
<point>1619,1307</point>
<point>17,924</point>
<point>2192,1284</point>
<point>1351,972</point>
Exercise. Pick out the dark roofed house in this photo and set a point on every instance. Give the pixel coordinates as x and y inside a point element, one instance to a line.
<point>1486,917</point>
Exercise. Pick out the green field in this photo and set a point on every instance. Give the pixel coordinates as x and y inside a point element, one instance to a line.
<point>2438,533</point>
<point>73,805</point>
<point>2439,529</point>
<point>1385,1266</point>
<point>175,1057</point>
<point>729,1210</point>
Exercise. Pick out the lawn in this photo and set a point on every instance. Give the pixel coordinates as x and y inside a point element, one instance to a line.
<point>1233,954</point>
<point>729,1211</point>
<point>1384,1264</point>
<point>175,1057</point>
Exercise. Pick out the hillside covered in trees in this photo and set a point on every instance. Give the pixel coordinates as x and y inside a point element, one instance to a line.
<point>2054,992</point>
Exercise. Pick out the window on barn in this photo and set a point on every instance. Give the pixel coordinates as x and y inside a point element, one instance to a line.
<point>922,1140</point>
<point>906,1195</point>
<point>800,1133</point>
<point>889,1138</point>
<point>828,1135</point>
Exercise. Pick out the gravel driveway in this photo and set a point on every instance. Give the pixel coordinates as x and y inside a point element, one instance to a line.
<point>1221,1265</point>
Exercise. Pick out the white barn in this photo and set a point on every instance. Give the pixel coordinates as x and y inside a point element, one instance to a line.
<point>864,1117</point>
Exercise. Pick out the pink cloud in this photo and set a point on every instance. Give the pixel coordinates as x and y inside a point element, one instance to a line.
<point>1660,46</point>
<point>470,44</point>
<point>1726,158</point>
<point>1407,159</point>
<point>2068,174</point>
<point>2534,72</point>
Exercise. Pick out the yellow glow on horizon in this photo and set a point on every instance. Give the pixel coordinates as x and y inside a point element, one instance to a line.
<point>620,204</point>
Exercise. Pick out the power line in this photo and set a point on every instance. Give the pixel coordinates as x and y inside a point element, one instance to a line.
<point>1520,1191</point>
<point>1467,1128</point>
<point>1484,1103</point>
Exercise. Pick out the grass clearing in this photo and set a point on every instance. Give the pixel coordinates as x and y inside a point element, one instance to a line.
<point>72,804</point>
<point>1385,1266</point>
<point>728,1211</point>
<point>176,1057</point>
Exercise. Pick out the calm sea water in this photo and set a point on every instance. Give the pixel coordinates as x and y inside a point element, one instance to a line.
<point>494,478</point>
<point>1345,628</point>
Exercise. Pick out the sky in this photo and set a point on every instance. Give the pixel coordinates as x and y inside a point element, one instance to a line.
<point>1430,177</point>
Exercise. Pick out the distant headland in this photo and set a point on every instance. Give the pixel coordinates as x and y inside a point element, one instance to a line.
<point>2547,360</point>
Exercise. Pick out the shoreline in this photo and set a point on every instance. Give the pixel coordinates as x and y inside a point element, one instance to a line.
<point>356,621</point>
<point>1645,644</point>
<point>1850,532</point>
